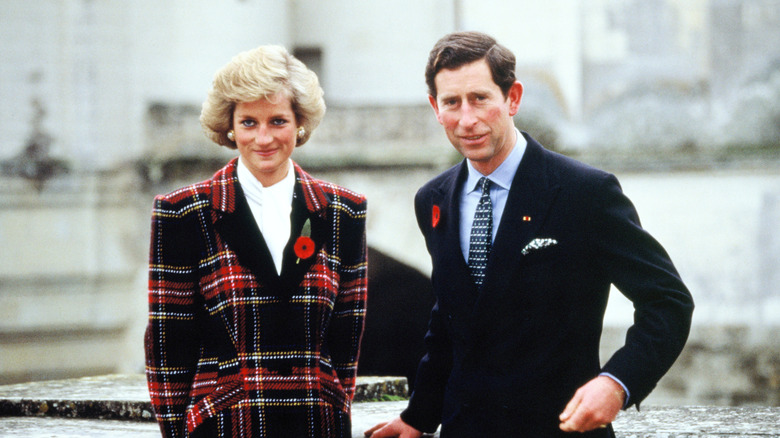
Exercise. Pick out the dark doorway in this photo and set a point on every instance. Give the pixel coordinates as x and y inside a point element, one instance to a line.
<point>399,305</point>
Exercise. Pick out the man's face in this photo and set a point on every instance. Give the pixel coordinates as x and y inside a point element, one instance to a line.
<point>475,114</point>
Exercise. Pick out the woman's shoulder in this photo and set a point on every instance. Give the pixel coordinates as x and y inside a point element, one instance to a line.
<point>200,193</point>
<point>184,201</point>
<point>188,193</point>
<point>347,203</point>
<point>341,192</point>
<point>333,192</point>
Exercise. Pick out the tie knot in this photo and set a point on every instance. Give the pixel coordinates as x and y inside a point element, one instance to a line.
<point>484,184</point>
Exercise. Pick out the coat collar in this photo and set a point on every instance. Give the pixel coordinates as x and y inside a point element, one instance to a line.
<point>225,188</point>
<point>233,220</point>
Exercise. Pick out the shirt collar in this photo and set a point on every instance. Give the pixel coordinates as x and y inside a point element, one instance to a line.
<point>505,172</point>
<point>280,192</point>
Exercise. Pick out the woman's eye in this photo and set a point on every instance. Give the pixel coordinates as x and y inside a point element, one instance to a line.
<point>248,123</point>
<point>279,122</point>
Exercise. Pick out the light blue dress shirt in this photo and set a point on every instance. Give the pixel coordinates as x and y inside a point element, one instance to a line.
<point>499,192</point>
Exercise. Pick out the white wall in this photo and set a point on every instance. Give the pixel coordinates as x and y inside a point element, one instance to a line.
<point>374,53</point>
<point>97,65</point>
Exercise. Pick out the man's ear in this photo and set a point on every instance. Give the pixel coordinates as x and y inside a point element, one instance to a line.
<point>435,106</point>
<point>515,95</point>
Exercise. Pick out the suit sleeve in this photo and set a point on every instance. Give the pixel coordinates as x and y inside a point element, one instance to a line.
<point>641,269</point>
<point>348,318</point>
<point>170,344</point>
<point>426,403</point>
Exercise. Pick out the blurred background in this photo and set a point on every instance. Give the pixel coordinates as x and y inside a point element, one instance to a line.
<point>99,106</point>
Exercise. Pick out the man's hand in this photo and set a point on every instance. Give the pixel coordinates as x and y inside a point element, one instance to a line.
<point>594,405</point>
<point>395,428</point>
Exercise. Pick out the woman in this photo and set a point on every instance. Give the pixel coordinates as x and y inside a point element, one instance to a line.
<point>257,277</point>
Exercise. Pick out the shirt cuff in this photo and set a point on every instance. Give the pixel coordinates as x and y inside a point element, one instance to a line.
<point>628,394</point>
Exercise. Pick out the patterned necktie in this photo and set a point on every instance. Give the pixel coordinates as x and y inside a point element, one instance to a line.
<point>481,234</point>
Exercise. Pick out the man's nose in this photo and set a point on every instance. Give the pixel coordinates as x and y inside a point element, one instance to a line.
<point>468,115</point>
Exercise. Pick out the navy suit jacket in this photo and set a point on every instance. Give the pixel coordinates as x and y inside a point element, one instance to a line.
<point>504,361</point>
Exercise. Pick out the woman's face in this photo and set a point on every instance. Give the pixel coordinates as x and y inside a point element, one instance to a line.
<point>266,136</point>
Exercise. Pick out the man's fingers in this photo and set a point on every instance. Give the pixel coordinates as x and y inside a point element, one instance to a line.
<point>594,404</point>
<point>571,407</point>
<point>572,422</point>
<point>371,431</point>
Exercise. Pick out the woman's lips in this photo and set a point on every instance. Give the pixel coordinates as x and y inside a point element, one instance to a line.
<point>267,153</point>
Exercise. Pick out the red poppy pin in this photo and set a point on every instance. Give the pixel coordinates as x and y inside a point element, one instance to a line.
<point>435,216</point>
<point>304,246</point>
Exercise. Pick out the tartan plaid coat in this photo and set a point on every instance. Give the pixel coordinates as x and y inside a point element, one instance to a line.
<point>235,349</point>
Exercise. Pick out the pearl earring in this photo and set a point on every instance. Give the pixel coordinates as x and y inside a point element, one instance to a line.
<point>231,135</point>
<point>301,132</point>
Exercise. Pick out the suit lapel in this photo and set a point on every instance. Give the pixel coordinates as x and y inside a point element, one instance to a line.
<point>530,198</point>
<point>445,240</point>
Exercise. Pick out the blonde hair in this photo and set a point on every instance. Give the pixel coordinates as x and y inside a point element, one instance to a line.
<point>256,74</point>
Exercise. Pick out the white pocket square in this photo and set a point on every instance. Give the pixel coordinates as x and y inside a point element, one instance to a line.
<point>538,244</point>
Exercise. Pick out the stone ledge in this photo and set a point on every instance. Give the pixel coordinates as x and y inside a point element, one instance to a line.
<point>93,406</point>
<point>125,397</point>
<point>652,422</point>
<point>699,422</point>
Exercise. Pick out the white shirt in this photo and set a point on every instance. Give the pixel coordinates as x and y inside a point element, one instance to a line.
<point>271,207</point>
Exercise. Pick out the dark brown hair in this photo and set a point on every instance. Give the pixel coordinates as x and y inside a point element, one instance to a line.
<point>461,48</point>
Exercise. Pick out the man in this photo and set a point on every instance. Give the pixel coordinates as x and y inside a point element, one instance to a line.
<point>522,268</point>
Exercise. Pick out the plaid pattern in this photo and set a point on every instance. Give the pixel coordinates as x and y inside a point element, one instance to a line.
<point>232,349</point>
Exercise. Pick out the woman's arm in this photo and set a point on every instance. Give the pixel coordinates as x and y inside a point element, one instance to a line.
<point>347,321</point>
<point>170,342</point>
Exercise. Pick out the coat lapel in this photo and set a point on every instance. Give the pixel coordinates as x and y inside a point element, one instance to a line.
<point>237,226</point>
<point>234,221</point>
<point>310,203</point>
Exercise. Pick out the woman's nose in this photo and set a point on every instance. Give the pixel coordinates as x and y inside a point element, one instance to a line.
<point>263,136</point>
